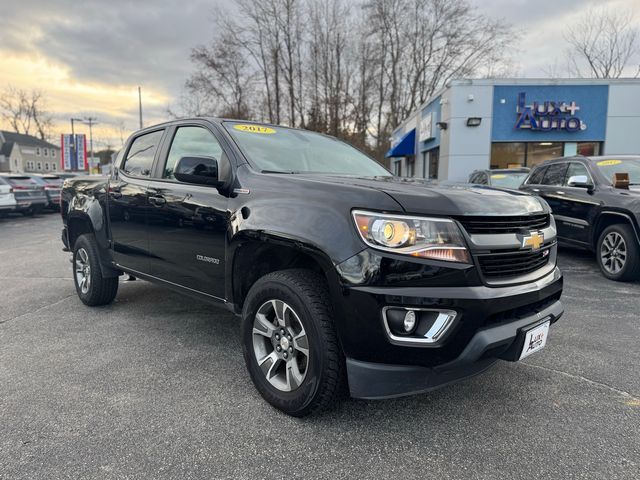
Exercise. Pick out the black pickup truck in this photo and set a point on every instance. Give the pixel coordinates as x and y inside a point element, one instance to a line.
<point>343,275</point>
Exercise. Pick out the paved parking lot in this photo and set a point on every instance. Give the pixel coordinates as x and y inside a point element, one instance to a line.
<point>154,386</point>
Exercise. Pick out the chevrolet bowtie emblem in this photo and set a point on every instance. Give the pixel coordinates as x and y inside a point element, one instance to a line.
<point>533,241</point>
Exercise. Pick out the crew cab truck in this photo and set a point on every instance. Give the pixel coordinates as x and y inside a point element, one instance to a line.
<point>345,278</point>
<point>596,203</point>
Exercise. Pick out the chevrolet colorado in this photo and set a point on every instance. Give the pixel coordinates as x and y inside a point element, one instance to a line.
<point>343,275</point>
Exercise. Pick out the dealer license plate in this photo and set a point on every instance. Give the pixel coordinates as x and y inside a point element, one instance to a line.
<point>535,340</point>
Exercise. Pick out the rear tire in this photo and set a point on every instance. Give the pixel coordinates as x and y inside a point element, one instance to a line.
<point>92,288</point>
<point>618,253</point>
<point>302,371</point>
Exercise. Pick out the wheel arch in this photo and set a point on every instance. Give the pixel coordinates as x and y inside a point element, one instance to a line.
<point>257,254</point>
<point>80,223</point>
<point>608,218</point>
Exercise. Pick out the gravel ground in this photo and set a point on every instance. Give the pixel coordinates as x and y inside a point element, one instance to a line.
<point>154,386</point>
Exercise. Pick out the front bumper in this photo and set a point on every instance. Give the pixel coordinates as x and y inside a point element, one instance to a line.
<point>488,325</point>
<point>377,381</point>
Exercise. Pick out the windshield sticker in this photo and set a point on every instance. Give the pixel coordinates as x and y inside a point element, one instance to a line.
<point>255,129</point>
<point>498,176</point>
<point>606,163</point>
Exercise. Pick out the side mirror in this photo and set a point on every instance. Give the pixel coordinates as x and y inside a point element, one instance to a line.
<point>580,181</point>
<point>198,170</point>
<point>621,180</point>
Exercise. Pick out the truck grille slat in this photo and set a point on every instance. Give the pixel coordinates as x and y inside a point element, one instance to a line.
<point>511,263</point>
<point>515,224</point>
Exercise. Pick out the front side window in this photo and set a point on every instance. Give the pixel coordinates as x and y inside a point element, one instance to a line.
<point>141,154</point>
<point>576,169</point>
<point>555,174</point>
<point>191,142</point>
<point>287,150</point>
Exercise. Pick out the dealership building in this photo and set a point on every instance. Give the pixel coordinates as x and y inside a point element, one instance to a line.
<point>507,123</point>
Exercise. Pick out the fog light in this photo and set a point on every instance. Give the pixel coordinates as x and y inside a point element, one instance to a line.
<point>409,321</point>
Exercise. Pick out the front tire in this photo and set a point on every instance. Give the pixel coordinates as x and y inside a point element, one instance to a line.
<point>618,253</point>
<point>92,288</point>
<point>290,346</point>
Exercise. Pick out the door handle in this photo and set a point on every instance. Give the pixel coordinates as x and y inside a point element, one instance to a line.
<point>157,201</point>
<point>560,192</point>
<point>537,190</point>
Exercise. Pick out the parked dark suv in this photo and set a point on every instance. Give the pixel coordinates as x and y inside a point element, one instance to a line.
<point>593,209</point>
<point>340,272</point>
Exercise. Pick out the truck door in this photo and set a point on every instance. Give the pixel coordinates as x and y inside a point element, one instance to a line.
<point>188,223</point>
<point>575,206</point>
<point>128,202</point>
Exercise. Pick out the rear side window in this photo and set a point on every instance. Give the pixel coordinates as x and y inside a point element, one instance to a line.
<point>555,174</point>
<point>141,154</point>
<point>536,176</point>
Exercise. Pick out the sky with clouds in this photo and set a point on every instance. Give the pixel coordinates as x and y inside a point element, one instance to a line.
<point>90,56</point>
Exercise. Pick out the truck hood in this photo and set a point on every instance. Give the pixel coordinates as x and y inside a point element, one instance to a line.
<point>431,198</point>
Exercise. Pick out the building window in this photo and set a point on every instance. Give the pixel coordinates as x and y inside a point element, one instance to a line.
<point>53,152</point>
<point>54,167</point>
<point>397,168</point>
<point>46,152</point>
<point>538,152</point>
<point>411,166</point>
<point>517,154</point>
<point>39,165</point>
<point>589,148</point>
<point>508,155</point>
<point>434,163</point>
<point>46,166</point>
<point>38,151</point>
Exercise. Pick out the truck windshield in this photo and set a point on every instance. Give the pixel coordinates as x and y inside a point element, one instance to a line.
<point>286,150</point>
<point>620,165</point>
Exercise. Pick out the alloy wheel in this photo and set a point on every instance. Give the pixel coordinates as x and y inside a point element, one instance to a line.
<point>83,270</point>
<point>613,253</point>
<point>280,345</point>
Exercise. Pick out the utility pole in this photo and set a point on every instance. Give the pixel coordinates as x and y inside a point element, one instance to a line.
<point>140,105</point>
<point>91,121</point>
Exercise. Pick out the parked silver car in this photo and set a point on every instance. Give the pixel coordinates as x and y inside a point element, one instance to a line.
<point>7,199</point>
<point>30,197</point>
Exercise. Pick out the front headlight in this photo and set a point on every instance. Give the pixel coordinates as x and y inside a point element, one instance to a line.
<point>434,238</point>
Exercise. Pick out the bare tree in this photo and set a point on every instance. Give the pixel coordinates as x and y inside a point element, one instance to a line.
<point>353,69</point>
<point>603,42</point>
<point>25,111</point>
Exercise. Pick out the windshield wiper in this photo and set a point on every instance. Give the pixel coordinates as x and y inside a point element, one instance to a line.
<point>279,171</point>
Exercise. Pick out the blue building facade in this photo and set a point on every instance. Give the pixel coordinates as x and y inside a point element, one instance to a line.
<point>477,124</point>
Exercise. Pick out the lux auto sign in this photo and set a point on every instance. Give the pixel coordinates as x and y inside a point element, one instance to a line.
<point>548,115</point>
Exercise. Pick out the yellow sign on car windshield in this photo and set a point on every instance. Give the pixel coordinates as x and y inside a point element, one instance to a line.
<point>499,176</point>
<point>606,163</point>
<point>254,129</point>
